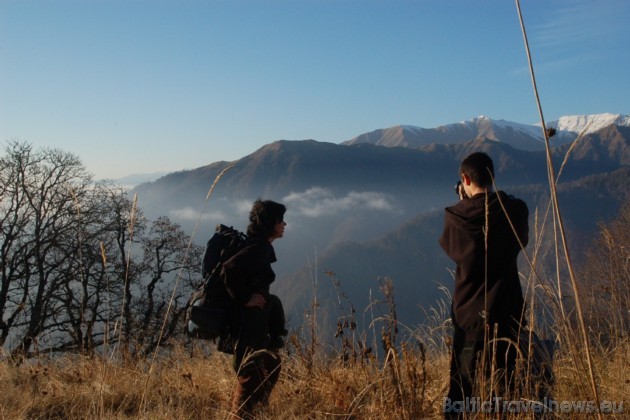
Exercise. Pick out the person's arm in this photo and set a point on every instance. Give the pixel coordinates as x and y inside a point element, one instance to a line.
<point>448,240</point>
<point>522,225</point>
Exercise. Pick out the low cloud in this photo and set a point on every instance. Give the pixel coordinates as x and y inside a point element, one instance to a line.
<point>190,214</point>
<point>219,211</point>
<point>243,206</point>
<point>312,203</point>
<point>317,202</point>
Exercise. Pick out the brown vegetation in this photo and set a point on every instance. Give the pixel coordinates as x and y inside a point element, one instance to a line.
<point>410,385</point>
<point>408,381</point>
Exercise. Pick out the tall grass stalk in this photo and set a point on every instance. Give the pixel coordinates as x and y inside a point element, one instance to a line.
<point>177,280</point>
<point>125,299</point>
<point>77,207</point>
<point>558,217</point>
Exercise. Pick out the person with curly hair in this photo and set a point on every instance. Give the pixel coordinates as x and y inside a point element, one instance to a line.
<point>257,321</point>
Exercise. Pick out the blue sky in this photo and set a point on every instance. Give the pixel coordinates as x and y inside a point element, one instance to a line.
<point>142,86</point>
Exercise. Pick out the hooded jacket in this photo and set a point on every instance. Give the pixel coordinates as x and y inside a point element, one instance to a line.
<point>487,287</point>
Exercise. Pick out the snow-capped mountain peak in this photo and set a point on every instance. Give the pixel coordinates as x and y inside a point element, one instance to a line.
<point>520,136</point>
<point>575,124</point>
<point>483,122</point>
<point>473,122</point>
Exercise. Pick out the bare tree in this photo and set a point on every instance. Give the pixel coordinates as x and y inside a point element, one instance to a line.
<point>127,275</point>
<point>103,270</point>
<point>14,223</point>
<point>79,270</point>
<point>169,256</point>
<point>40,192</point>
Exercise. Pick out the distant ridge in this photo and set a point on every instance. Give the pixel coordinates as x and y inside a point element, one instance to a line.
<point>130,181</point>
<point>517,135</point>
<point>575,124</point>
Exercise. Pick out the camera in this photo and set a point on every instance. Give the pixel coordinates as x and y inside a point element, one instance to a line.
<point>459,190</point>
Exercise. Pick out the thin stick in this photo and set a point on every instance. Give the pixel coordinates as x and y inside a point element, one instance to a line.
<point>554,197</point>
<point>179,275</point>
<point>122,335</point>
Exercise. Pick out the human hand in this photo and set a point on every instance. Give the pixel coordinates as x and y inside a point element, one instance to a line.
<point>256,301</point>
<point>460,191</point>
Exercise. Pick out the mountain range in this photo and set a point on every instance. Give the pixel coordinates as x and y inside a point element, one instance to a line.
<point>371,208</point>
<point>520,136</point>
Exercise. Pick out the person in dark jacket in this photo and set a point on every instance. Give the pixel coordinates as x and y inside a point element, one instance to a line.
<point>258,317</point>
<point>483,234</point>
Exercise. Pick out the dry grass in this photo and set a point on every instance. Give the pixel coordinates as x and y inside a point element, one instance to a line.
<point>409,385</point>
<point>75,387</point>
<point>408,381</point>
<point>185,387</point>
<point>612,376</point>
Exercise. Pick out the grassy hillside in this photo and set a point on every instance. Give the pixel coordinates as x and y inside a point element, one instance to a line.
<point>350,379</point>
<point>182,385</point>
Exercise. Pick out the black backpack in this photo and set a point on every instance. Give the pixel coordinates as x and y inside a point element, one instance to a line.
<point>208,309</point>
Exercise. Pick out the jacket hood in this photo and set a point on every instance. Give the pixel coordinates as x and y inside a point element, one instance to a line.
<point>469,214</point>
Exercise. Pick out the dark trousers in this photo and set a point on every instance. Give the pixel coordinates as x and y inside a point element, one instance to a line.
<point>256,378</point>
<point>498,357</point>
<point>257,366</point>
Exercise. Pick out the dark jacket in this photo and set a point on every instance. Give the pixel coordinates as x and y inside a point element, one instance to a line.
<point>500,299</point>
<point>249,270</point>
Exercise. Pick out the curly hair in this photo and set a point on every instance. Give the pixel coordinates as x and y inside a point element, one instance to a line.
<point>264,216</point>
